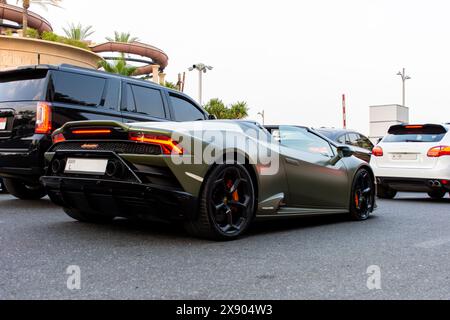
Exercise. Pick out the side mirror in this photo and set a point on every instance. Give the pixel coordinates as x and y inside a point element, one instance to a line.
<point>345,151</point>
<point>212,117</point>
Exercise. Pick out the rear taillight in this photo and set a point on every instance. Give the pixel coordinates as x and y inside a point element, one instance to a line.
<point>439,151</point>
<point>377,151</point>
<point>92,131</point>
<point>43,118</point>
<point>57,138</point>
<point>167,144</point>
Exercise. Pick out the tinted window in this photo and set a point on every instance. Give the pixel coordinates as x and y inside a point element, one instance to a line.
<point>185,111</point>
<point>24,86</point>
<point>414,137</point>
<point>128,98</point>
<point>149,101</point>
<point>354,139</point>
<point>342,139</point>
<point>303,140</point>
<point>426,133</point>
<point>112,94</point>
<point>365,143</point>
<point>77,89</point>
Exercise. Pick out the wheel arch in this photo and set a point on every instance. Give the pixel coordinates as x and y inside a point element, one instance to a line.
<point>221,159</point>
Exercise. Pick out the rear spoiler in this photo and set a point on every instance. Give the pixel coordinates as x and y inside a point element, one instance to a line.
<point>415,129</point>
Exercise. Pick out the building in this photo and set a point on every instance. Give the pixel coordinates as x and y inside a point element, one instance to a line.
<point>383,117</point>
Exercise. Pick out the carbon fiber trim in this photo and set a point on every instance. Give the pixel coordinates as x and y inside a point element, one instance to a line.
<point>117,147</point>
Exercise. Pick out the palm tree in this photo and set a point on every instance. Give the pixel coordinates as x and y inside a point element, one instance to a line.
<point>119,67</point>
<point>78,32</point>
<point>122,37</point>
<point>238,110</point>
<point>26,5</point>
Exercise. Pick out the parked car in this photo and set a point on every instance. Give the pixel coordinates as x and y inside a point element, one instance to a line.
<point>36,100</point>
<point>102,170</point>
<point>361,145</point>
<point>413,158</point>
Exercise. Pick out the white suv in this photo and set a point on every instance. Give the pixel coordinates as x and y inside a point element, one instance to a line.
<point>413,158</point>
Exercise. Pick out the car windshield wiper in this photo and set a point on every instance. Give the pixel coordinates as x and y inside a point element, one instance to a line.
<point>414,141</point>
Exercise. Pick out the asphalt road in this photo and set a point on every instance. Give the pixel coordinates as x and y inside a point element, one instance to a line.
<point>319,258</point>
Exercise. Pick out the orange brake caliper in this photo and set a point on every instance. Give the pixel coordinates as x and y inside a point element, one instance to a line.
<point>356,200</point>
<point>235,194</point>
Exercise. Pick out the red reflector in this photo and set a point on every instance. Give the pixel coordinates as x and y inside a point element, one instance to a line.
<point>414,127</point>
<point>377,151</point>
<point>58,138</point>
<point>103,131</point>
<point>43,118</point>
<point>440,151</point>
<point>444,182</point>
<point>167,145</point>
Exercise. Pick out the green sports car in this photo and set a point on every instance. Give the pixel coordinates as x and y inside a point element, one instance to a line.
<point>214,176</point>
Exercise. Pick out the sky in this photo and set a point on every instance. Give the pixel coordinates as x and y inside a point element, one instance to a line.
<point>293,59</point>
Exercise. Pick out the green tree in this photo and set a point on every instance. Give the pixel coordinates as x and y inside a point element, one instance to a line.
<point>238,110</point>
<point>78,31</point>
<point>26,6</point>
<point>119,67</point>
<point>122,37</point>
<point>171,85</point>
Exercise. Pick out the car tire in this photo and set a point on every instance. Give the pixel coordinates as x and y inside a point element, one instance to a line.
<point>23,190</point>
<point>437,194</point>
<point>226,206</point>
<point>384,192</point>
<point>87,217</point>
<point>362,199</point>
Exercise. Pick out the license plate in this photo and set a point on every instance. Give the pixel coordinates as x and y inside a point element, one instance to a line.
<point>404,156</point>
<point>3,123</point>
<point>86,166</point>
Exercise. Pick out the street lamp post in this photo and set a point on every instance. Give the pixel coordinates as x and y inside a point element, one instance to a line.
<point>201,68</point>
<point>404,77</point>
<point>263,116</point>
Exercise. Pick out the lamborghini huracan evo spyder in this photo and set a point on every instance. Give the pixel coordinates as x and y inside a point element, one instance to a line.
<point>214,176</point>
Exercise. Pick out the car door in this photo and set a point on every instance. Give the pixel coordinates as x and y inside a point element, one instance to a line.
<point>314,181</point>
<point>142,103</point>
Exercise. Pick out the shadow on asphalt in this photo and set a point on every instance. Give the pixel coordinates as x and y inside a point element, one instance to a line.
<point>132,227</point>
<point>27,204</point>
<point>175,231</point>
<point>419,199</point>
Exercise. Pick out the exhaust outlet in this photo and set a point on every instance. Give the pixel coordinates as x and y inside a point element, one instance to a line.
<point>56,166</point>
<point>114,169</point>
<point>431,183</point>
<point>437,184</point>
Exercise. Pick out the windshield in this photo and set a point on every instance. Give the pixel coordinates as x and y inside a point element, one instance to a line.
<point>23,86</point>
<point>413,133</point>
<point>414,137</point>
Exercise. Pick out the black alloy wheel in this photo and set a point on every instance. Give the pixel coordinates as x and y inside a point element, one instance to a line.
<point>363,196</point>
<point>227,204</point>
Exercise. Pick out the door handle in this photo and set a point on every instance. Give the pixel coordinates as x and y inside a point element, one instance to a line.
<point>292,162</point>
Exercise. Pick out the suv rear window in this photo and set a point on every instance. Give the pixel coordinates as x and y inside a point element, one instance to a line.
<point>426,133</point>
<point>23,86</point>
<point>76,89</point>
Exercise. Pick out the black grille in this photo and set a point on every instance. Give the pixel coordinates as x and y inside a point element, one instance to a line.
<point>118,147</point>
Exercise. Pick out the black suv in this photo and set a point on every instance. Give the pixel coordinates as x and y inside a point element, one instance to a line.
<point>36,100</point>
